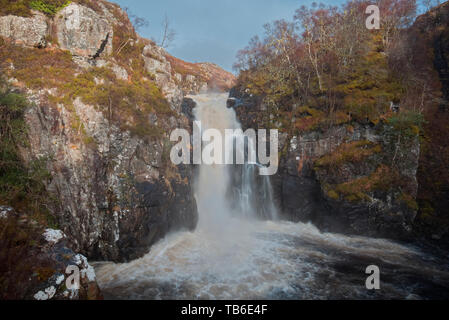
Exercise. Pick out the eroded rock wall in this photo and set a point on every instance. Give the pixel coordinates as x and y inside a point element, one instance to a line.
<point>303,189</point>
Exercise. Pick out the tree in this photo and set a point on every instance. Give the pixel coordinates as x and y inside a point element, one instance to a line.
<point>138,22</point>
<point>395,15</point>
<point>168,34</point>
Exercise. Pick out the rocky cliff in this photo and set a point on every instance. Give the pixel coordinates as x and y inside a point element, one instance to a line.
<point>339,178</point>
<point>102,103</point>
<point>429,40</point>
<point>383,175</point>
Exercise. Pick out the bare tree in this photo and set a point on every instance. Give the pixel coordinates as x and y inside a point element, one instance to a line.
<point>429,4</point>
<point>138,22</point>
<point>168,34</point>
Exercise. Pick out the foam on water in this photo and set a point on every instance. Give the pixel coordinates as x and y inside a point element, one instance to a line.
<point>233,255</point>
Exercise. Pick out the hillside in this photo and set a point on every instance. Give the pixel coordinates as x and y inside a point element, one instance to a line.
<point>362,118</point>
<point>87,106</point>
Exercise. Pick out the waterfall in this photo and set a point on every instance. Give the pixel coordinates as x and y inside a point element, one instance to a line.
<point>239,252</point>
<point>226,191</point>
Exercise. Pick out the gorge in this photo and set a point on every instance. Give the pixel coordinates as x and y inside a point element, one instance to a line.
<point>239,252</point>
<point>87,106</point>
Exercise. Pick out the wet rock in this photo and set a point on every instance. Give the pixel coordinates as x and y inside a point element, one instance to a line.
<point>300,189</point>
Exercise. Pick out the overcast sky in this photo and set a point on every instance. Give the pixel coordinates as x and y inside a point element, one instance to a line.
<point>211,30</point>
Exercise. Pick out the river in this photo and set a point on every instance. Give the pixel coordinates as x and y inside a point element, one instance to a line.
<point>233,254</point>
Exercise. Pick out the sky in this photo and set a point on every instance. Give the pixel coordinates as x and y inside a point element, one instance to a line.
<point>211,30</point>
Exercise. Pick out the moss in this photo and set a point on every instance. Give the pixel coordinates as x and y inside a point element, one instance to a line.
<point>127,103</point>
<point>382,179</point>
<point>333,195</point>
<point>409,201</point>
<point>18,8</point>
<point>309,118</point>
<point>37,68</point>
<point>407,123</point>
<point>89,141</point>
<point>353,152</point>
<point>426,210</point>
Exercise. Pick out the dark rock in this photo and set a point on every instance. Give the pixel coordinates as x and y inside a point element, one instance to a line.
<point>37,266</point>
<point>187,108</point>
<point>299,189</point>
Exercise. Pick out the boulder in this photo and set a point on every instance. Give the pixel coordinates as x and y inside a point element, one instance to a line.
<point>83,32</point>
<point>31,31</point>
<point>39,264</point>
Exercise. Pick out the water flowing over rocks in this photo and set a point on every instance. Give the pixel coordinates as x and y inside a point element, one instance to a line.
<point>117,192</point>
<point>115,202</point>
<point>238,252</point>
<point>300,185</point>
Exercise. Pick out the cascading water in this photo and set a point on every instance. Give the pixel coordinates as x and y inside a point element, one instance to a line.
<point>225,191</point>
<point>233,254</point>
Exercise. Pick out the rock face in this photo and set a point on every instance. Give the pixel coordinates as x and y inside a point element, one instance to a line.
<point>177,78</point>
<point>115,200</point>
<point>432,28</point>
<point>428,39</point>
<point>303,189</point>
<point>157,65</point>
<point>117,191</point>
<point>196,77</point>
<point>83,32</point>
<point>31,31</point>
<point>50,269</point>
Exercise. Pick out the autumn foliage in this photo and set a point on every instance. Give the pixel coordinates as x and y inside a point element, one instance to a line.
<point>328,61</point>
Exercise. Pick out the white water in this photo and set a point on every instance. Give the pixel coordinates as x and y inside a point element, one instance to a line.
<point>234,255</point>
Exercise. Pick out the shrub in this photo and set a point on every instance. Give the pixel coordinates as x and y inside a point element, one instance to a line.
<point>383,179</point>
<point>22,185</point>
<point>22,7</point>
<point>408,123</point>
<point>354,152</point>
<point>49,7</point>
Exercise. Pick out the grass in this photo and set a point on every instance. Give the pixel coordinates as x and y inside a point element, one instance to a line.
<point>22,8</point>
<point>49,7</point>
<point>126,103</point>
<point>37,68</point>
